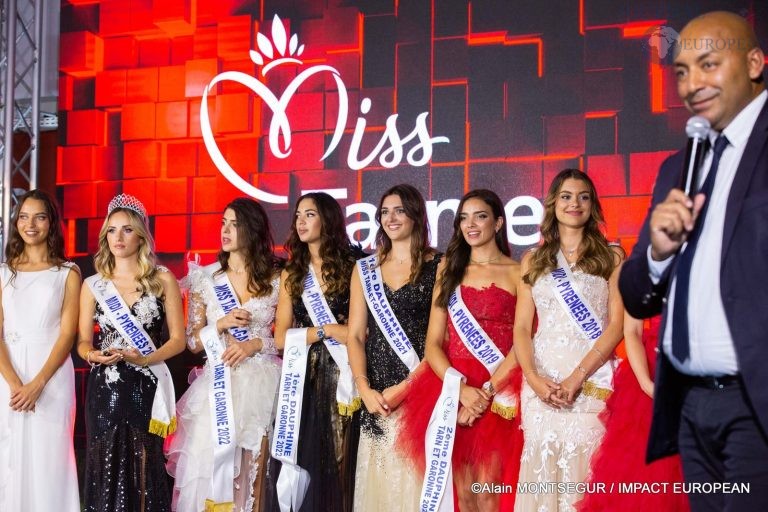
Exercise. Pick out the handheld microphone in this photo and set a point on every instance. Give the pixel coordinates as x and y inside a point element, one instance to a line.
<point>697,129</point>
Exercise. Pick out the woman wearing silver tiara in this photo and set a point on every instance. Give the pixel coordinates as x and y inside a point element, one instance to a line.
<point>231,305</point>
<point>570,282</point>
<point>404,269</point>
<point>38,321</point>
<point>130,400</point>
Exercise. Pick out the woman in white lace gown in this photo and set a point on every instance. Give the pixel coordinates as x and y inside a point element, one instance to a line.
<point>40,292</point>
<point>246,262</point>
<point>568,365</point>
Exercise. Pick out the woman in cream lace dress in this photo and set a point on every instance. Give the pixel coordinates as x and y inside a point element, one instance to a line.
<point>567,365</point>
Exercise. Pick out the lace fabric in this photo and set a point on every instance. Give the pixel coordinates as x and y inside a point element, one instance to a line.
<point>254,387</point>
<point>559,442</point>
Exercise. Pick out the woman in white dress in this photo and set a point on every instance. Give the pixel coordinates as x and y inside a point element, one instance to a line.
<point>40,293</point>
<point>231,304</point>
<point>570,282</point>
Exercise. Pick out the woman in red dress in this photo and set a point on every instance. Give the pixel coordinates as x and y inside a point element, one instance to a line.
<point>627,419</point>
<point>488,439</point>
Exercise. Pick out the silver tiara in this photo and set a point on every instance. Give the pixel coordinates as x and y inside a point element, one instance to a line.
<point>128,202</point>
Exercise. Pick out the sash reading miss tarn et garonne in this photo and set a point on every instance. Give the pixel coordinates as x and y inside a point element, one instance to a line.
<point>220,401</point>
<point>378,305</point>
<point>163,418</point>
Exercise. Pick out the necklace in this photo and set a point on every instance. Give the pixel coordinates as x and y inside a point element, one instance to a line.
<point>569,252</point>
<point>240,271</point>
<point>481,262</point>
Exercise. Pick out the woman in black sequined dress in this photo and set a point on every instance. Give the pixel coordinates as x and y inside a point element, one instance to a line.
<point>383,480</point>
<point>125,466</point>
<point>327,439</point>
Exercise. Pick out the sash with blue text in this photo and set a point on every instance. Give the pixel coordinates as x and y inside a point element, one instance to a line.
<point>378,305</point>
<point>580,311</point>
<point>320,313</point>
<point>163,418</point>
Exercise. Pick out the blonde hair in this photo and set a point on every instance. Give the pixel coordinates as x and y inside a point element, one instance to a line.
<point>104,260</point>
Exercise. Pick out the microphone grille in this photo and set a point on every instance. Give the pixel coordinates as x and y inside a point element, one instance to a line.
<point>697,126</point>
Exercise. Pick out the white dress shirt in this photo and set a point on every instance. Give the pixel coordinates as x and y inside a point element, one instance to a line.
<point>712,351</point>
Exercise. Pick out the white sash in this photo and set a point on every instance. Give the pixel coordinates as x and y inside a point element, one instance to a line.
<point>583,316</point>
<point>163,420</point>
<point>378,305</point>
<point>437,489</point>
<point>320,314</point>
<point>220,402</point>
<point>293,481</point>
<point>480,345</point>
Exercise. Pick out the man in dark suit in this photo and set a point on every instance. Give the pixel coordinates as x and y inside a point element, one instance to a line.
<point>703,264</point>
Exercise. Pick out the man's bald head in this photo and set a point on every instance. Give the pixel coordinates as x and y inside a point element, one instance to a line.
<point>718,66</point>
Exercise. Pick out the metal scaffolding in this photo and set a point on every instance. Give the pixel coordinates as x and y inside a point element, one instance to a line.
<point>20,78</point>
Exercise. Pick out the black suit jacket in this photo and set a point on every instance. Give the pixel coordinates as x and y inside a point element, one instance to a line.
<point>743,286</point>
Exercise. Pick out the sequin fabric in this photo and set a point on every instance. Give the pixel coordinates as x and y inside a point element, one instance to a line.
<point>327,440</point>
<point>125,466</point>
<point>384,480</point>
<point>411,304</point>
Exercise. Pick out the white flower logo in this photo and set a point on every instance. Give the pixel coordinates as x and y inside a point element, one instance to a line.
<point>287,51</point>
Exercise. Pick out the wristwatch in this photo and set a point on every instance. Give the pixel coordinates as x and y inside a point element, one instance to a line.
<point>487,386</point>
<point>320,333</point>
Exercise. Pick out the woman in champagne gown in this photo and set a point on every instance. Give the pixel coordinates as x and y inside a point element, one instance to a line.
<point>407,266</point>
<point>568,369</point>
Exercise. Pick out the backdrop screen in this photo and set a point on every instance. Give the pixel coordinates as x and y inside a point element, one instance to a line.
<point>187,104</point>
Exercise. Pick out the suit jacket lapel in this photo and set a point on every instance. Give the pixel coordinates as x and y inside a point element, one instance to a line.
<point>741,181</point>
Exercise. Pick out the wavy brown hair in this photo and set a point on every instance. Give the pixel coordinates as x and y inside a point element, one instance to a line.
<point>104,260</point>
<point>335,249</point>
<point>597,257</point>
<point>416,210</point>
<point>254,235</point>
<point>458,251</point>
<point>55,241</point>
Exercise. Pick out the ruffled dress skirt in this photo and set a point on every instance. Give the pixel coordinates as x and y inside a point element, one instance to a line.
<point>190,451</point>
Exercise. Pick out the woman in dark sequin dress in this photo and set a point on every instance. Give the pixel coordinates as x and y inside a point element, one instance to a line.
<point>383,480</point>
<point>125,467</point>
<point>327,439</point>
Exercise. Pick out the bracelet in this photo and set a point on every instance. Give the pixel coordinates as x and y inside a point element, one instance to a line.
<point>145,361</point>
<point>582,370</point>
<point>88,358</point>
<point>363,377</point>
<point>602,357</point>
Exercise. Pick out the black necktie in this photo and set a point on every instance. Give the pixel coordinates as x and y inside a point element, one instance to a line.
<point>680,343</point>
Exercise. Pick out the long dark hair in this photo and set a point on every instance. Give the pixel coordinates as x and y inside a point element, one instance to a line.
<point>55,241</point>
<point>458,251</point>
<point>335,249</point>
<point>596,259</point>
<point>416,210</point>
<point>254,235</point>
